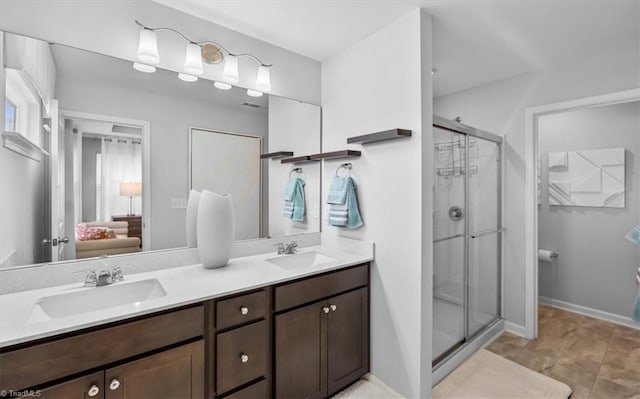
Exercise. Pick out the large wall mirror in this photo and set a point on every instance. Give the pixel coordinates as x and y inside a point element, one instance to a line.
<point>98,158</point>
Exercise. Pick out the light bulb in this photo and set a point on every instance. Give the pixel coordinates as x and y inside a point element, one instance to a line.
<point>144,67</point>
<point>187,78</point>
<point>263,82</point>
<point>230,73</point>
<point>193,60</point>
<point>148,47</point>
<point>254,93</point>
<point>222,85</point>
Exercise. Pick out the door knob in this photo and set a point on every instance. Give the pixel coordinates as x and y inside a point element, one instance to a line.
<point>114,384</point>
<point>333,307</point>
<point>325,309</point>
<point>244,357</point>
<point>244,310</point>
<point>64,240</point>
<point>93,390</point>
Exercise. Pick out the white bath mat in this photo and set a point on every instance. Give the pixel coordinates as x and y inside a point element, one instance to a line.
<point>486,375</point>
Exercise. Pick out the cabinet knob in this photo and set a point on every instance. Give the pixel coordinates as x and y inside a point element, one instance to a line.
<point>325,309</point>
<point>244,357</point>
<point>93,390</point>
<point>114,384</point>
<point>244,310</point>
<point>333,307</point>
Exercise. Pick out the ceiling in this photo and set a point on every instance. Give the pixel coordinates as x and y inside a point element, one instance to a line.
<point>474,41</point>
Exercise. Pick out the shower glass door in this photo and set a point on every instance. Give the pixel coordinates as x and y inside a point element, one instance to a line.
<point>449,234</point>
<point>467,235</point>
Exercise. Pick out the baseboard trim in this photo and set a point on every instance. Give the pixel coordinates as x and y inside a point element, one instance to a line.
<point>595,313</point>
<point>516,329</point>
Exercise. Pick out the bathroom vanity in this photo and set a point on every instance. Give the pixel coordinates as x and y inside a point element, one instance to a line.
<point>304,333</point>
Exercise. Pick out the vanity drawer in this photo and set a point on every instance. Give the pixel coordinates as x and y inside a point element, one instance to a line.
<point>258,390</point>
<point>242,356</point>
<point>41,363</point>
<point>315,288</point>
<point>241,309</point>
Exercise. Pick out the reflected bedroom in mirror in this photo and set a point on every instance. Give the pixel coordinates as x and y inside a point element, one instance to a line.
<point>98,158</point>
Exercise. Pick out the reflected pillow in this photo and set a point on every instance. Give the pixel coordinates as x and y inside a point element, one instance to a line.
<point>84,233</point>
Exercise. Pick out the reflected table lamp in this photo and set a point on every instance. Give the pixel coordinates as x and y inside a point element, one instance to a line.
<point>128,189</point>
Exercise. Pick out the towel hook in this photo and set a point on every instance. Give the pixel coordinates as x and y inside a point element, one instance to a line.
<point>346,166</point>
<point>296,170</point>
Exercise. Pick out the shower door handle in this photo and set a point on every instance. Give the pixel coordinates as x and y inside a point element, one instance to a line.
<point>486,233</point>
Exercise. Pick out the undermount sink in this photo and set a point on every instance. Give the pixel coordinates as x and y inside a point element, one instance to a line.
<point>98,298</point>
<point>303,259</point>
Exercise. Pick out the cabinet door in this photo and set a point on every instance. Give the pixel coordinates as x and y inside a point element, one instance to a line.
<point>300,353</point>
<point>348,338</point>
<point>87,387</point>
<point>175,373</point>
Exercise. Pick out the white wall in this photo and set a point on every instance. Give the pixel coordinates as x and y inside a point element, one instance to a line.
<point>599,275</point>
<point>108,27</point>
<point>364,92</point>
<point>293,126</point>
<point>171,118</point>
<point>499,107</point>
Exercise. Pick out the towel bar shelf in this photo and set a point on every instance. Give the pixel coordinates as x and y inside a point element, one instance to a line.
<point>276,155</point>
<point>297,160</point>
<point>380,136</point>
<point>336,155</point>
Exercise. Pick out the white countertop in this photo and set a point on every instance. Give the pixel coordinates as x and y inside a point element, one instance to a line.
<point>183,285</point>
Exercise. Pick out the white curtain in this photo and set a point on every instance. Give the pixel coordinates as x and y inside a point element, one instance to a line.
<point>121,163</point>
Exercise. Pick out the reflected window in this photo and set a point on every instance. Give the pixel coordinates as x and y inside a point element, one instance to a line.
<point>10,112</point>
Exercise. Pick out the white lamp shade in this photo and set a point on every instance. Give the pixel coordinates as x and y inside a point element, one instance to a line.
<point>144,67</point>
<point>130,189</point>
<point>148,47</point>
<point>193,60</point>
<point>222,85</point>
<point>263,82</point>
<point>230,73</point>
<point>192,217</point>
<point>187,78</point>
<point>254,93</point>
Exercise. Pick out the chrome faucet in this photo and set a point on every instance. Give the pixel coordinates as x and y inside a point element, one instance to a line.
<point>105,277</point>
<point>287,249</point>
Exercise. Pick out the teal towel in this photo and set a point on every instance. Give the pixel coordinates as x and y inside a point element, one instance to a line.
<point>290,189</point>
<point>294,202</point>
<point>634,235</point>
<point>298,202</point>
<point>338,190</point>
<point>346,215</point>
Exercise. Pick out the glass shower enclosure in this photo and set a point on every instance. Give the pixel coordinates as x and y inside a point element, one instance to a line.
<point>467,270</point>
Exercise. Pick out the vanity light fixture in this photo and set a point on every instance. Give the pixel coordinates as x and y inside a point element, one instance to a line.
<point>230,73</point>
<point>144,67</point>
<point>254,93</point>
<point>197,52</point>
<point>222,85</point>
<point>187,78</point>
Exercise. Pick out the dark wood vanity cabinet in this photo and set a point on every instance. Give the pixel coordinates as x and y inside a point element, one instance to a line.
<point>322,347</point>
<point>303,339</point>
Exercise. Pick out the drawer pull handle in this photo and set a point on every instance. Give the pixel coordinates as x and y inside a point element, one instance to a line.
<point>244,310</point>
<point>244,357</point>
<point>325,309</point>
<point>115,384</point>
<point>333,307</point>
<point>93,390</point>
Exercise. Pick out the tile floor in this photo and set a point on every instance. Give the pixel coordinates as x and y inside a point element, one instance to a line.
<point>597,359</point>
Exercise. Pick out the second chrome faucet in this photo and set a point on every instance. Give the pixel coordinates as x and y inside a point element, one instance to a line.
<point>287,249</point>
